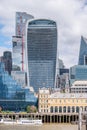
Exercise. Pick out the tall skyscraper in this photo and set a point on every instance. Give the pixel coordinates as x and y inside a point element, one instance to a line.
<point>19,40</point>
<point>41,53</point>
<point>83,52</point>
<point>17,53</point>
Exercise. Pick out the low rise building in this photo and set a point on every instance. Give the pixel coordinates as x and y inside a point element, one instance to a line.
<point>56,102</point>
<point>79,87</point>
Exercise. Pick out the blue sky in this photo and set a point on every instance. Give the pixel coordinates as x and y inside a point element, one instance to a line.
<point>70,15</point>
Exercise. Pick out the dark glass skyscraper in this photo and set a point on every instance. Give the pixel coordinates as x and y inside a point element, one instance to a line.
<point>7,60</point>
<point>83,52</point>
<point>41,53</point>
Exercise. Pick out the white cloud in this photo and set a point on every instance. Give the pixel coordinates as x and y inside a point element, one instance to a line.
<point>2,49</point>
<point>71,17</point>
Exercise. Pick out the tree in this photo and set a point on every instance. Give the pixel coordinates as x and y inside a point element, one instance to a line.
<point>0,108</point>
<point>31,109</point>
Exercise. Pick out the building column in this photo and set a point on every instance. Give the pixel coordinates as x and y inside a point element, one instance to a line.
<point>75,108</point>
<point>69,119</point>
<point>53,109</point>
<point>66,109</point>
<point>58,109</point>
<point>59,119</point>
<point>70,109</point>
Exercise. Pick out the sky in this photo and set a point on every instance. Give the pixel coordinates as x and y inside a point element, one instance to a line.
<point>70,16</point>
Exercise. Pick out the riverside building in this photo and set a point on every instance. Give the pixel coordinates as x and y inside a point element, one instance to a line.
<point>12,96</point>
<point>79,87</point>
<point>41,53</point>
<point>56,102</point>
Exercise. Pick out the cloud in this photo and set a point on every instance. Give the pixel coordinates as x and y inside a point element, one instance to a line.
<point>2,49</point>
<point>70,15</point>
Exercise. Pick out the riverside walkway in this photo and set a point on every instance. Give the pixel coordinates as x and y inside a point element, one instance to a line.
<point>46,117</point>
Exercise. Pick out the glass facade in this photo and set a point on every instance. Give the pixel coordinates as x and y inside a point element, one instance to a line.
<point>41,53</point>
<point>7,59</point>
<point>78,72</point>
<point>12,95</point>
<point>83,52</point>
<point>17,53</point>
<point>19,57</point>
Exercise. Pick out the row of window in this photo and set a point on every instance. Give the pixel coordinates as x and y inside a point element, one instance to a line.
<point>65,109</point>
<point>43,96</point>
<point>80,84</point>
<point>64,101</point>
<point>69,100</point>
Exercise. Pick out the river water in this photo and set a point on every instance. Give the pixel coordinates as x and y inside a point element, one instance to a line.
<point>43,127</point>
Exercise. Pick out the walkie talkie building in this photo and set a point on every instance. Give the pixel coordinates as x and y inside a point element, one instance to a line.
<point>41,53</point>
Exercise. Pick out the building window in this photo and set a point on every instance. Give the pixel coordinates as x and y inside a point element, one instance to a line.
<point>64,109</point>
<point>51,109</point>
<point>68,109</point>
<point>56,109</point>
<point>77,109</point>
<point>73,109</point>
<point>60,109</point>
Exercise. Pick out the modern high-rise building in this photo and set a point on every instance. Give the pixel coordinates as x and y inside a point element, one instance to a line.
<point>83,52</point>
<point>7,60</point>
<point>21,20</point>
<point>17,53</point>
<point>19,41</point>
<point>61,64</point>
<point>41,53</point>
<point>78,72</point>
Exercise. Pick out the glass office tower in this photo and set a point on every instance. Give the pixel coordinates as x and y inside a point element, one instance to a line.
<point>83,52</point>
<point>41,53</point>
<point>78,72</point>
<point>12,95</point>
<point>7,60</point>
<point>19,41</point>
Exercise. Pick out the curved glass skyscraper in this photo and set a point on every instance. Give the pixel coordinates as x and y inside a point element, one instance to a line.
<point>41,53</point>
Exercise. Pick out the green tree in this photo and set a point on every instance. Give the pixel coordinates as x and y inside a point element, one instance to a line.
<point>31,109</point>
<point>0,109</point>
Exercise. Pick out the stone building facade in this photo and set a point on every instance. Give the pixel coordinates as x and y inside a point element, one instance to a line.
<point>56,102</point>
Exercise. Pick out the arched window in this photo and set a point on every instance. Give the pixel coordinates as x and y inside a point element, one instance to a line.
<point>77,109</point>
<point>64,109</point>
<point>56,109</point>
<point>60,109</point>
<point>73,109</point>
<point>68,109</point>
<point>51,109</point>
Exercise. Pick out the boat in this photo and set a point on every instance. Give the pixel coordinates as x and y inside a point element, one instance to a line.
<point>7,121</point>
<point>29,122</point>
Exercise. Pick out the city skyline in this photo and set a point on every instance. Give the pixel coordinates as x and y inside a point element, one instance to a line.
<point>71,19</point>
